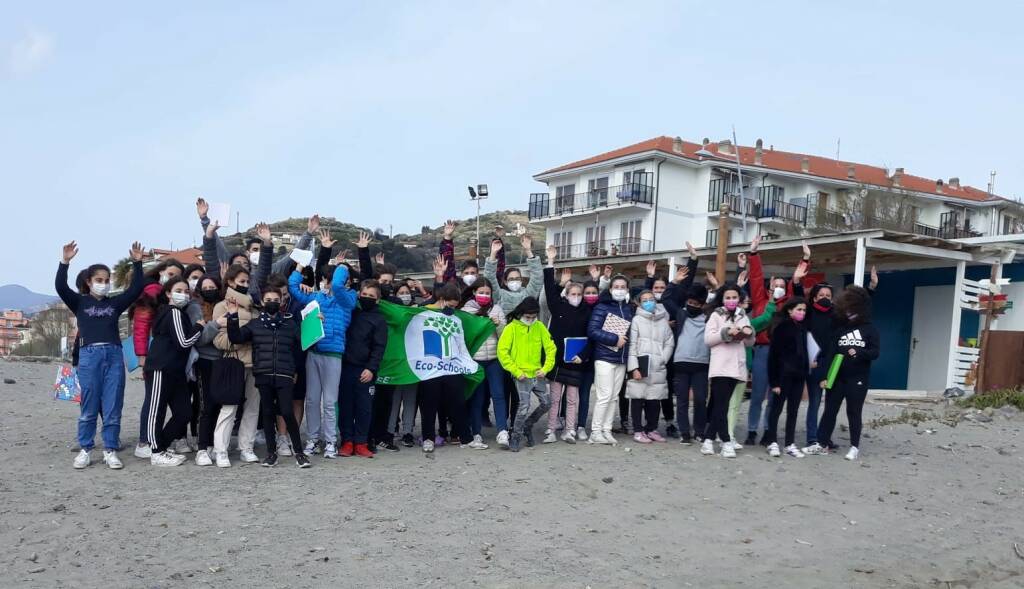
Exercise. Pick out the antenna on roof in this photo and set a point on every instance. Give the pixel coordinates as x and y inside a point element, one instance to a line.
<point>838,142</point>
<point>991,182</point>
<point>739,179</point>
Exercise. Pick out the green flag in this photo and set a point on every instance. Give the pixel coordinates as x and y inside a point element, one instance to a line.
<point>425,344</point>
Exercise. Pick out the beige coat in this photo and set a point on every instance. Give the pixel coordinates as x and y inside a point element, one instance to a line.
<point>489,349</point>
<point>649,335</point>
<point>245,314</point>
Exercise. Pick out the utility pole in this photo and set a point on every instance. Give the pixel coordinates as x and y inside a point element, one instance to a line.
<point>723,242</point>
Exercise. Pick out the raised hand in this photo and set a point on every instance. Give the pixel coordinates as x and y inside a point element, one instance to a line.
<point>799,273</point>
<point>231,305</point>
<point>342,255</point>
<point>594,272</point>
<point>652,266</point>
<point>223,269</point>
<point>313,225</point>
<point>742,279</point>
<point>379,258</point>
<point>495,248</point>
<point>873,284</point>
<point>527,242</point>
<point>136,252</point>
<point>364,240</point>
<point>691,249</point>
<point>681,273</point>
<point>212,228</point>
<point>70,251</point>
<point>741,261</point>
<point>306,288</point>
<point>807,250</point>
<point>608,271</point>
<point>439,267</point>
<point>202,207</point>
<point>449,229</point>
<point>712,280</point>
<point>263,232</point>
<point>566,276</point>
<point>552,253</point>
<point>325,239</point>
<point>756,243</point>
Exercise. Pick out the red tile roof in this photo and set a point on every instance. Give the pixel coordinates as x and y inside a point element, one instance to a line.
<point>192,255</point>
<point>772,159</point>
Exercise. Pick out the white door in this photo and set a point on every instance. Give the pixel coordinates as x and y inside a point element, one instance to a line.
<point>929,338</point>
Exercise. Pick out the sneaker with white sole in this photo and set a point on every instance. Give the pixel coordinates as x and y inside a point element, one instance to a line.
<point>853,453</point>
<point>248,456</point>
<point>477,443</point>
<point>428,446</point>
<point>581,434</point>
<point>330,450</point>
<point>609,438</point>
<point>312,447</point>
<point>707,448</point>
<point>83,459</point>
<point>736,445</point>
<point>596,437</point>
<point>181,447</point>
<point>569,437</point>
<point>550,437</point>
<point>728,451</point>
<point>111,460</point>
<point>143,451</point>
<point>641,438</point>
<point>502,438</point>
<point>793,451</point>
<point>222,460</point>
<point>814,449</point>
<point>203,458</point>
<point>284,445</point>
<point>166,459</point>
<point>773,450</point>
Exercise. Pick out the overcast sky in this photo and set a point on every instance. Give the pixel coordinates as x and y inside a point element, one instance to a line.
<point>115,117</point>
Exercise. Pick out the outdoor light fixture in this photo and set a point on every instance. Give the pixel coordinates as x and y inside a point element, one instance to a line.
<point>478,195</point>
<point>481,189</point>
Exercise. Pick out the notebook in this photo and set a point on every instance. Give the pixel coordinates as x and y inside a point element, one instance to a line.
<point>643,364</point>
<point>312,327</point>
<point>617,325</point>
<point>574,346</point>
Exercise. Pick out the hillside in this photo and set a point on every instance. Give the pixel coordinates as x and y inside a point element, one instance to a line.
<point>15,296</point>
<point>414,253</point>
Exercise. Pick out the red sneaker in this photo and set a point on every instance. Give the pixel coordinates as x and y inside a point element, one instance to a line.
<point>364,451</point>
<point>346,449</point>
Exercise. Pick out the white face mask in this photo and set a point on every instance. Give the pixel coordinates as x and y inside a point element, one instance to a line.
<point>179,299</point>
<point>405,298</point>
<point>778,293</point>
<point>528,322</point>
<point>254,258</point>
<point>192,284</point>
<point>164,278</point>
<point>325,286</point>
<point>99,289</point>
<point>711,297</point>
<point>620,294</point>
<point>468,279</point>
<point>515,285</point>
<point>657,296</point>
<point>575,300</point>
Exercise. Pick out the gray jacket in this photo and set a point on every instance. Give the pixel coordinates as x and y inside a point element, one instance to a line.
<point>690,345</point>
<point>507,299</point>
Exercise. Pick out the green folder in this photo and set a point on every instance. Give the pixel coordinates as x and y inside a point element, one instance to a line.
<point>312,327</point>
<point>833,371</point>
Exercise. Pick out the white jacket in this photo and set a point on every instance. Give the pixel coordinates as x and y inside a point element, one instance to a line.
<point>649,335</point>
<point>489,349</point>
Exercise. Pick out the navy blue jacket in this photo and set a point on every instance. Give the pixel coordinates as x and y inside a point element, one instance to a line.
<point>97,318</point>
<point>603,340</point>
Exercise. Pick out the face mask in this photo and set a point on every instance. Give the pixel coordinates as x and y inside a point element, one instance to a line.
<point>272,307</point>
<point>693,311</point>
<point>798,315</point>
<point>649,306</point>
<point>405,298</point>
<point>620,294</point>
<point>711,297</point>
<point>469,279</point>
<point>179,299</point>
<point>482,300</point>
<point>367,303</point>
<point>731,305</point>
<point>515,285</point>
<point>164,278</point>
<point>591,299</point>
<point>448,311</point>
<point>210,296</point>
<point>242,290</point>
<point>254,258</point>
<point>657,296</point>
<point>100,289</point>
<point>824,304</point>
<point>778,293</point>
<point>527,322</point>
<point>574,300</point>
<point>192,284</point>
<point>325,287</point>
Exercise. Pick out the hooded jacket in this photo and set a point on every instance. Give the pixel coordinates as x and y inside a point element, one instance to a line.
<point>245,314</point>
<point>728,355</point>
<point>366,340</point>
<point>525,349</point>
<point>604,342</point>
<point>335,307</point>
<point>787,356</point>
<point>142,319</point>
<point>566,321</point>
<point>649,335</point>
<point>506,298</point>
<point>862,337</point>
<point>273,339</point>
<point>489,349</point>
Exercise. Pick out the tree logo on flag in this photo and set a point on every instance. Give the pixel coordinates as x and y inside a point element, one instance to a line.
<point>437,335</point>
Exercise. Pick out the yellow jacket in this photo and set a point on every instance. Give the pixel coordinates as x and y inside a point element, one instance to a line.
<point>521,348</point>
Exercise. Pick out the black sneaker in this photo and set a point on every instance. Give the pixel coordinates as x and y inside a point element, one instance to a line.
<point>408,441</point>
<point>671,431</point>
<point>390,446</point>
<point>301,460</point>
<point>765,441</point>
<point>529,438</point>
<point>685,439</point>
<point>515,441</point>
<point>751,439</point>
<point>270,460</point>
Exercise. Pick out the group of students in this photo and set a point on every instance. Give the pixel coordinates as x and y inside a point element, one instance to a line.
<point>220,347</point>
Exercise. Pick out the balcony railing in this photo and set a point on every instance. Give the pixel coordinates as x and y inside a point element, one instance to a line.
<point>542,205</point>
<point>768,205</point>
<point>833,220</point>
<point>610,247</point>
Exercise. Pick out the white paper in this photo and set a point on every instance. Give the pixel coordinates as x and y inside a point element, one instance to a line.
<point>220,212</point>
<point>303,257</point>
<point>813,349</point>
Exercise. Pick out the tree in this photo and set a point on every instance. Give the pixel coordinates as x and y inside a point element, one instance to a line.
<point>46,329</point>
<point>122,273</point>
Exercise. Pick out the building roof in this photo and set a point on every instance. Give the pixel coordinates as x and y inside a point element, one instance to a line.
<point>785,161</point>
<point>192,255</point>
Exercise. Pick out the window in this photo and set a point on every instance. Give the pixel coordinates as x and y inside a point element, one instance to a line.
<point>636,186</point>
<point>629,237</point>
<point>596,245</point>
<point>563,244</point>
<point>565,198</point>
<point>597,192</point>
<point>1009,225</point>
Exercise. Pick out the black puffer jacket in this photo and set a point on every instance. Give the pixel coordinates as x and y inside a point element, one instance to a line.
<point>274,341</point>
<point>366,339</point>
<point>566,321</point>
<point>787,356</point>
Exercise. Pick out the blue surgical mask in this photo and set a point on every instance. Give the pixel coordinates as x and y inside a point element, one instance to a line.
<point>649,306</point>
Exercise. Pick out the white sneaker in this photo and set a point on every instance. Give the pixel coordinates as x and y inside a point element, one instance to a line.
<point>502,438</point>
<point>581,434</point>
<point>549,437</point>
<point>773,450</point>
<point>180,447</point>
<point>83,459</point>
<point>312,447</point>
<point>814,449</point>
<point>853,454</point>
<point>793,451</point>
<point>569,437</point>
<point>330,450</point>
<point>736,445</point>
<point>477,443</point>
<point>428,446</point>
<point>284,445</point>
<point>222,459</point>
<point>143,451</point>
<point>596,437</point>
<point>609,438</point>
<point>111,460</point>
<point>203,458</point>
<point>728,451</point>
<point>166,459</point>
<point>248,456</point>
<point>707,447</point>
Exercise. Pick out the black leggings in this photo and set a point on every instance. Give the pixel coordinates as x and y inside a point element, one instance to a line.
<point>648,407</point>
<point>792,393</point>
<point>624,404</point>
<point>167,388</point>
<point>208,409</point>
<point>722,388</point>
<point>448,392</point>
<point>853,391</point>
<point>381,412</point>
<point>276,399</point>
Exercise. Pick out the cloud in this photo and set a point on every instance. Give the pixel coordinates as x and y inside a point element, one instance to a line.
<point>30,52</point>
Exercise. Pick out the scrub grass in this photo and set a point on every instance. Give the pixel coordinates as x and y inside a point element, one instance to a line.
<point>995,399</point>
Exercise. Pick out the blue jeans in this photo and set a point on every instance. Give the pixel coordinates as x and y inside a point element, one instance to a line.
<point>759,389</point>
<point>585,384</point>
<point>814,401</point>
<point>494,382</point>
<point>101,374</point>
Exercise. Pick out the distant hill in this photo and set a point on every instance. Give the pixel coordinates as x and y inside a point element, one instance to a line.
<point>15,296</point>
<point>415,253</point>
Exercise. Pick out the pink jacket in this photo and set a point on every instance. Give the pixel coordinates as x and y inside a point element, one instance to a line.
<point>728,355</point>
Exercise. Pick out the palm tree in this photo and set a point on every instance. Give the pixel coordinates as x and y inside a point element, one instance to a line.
<point>122,272</point>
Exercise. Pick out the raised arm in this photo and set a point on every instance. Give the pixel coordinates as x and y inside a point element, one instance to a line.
<point>294,283</point>
<point>447,251</point>
<point>237,334</point>
<point>345,296</point>
<point>365,263</point>
<point>131,294</point>
<point>536,271</point>
<point>70,297</point>
<point>222,253</point>
<point>551,289</point>
<point>305,242</point>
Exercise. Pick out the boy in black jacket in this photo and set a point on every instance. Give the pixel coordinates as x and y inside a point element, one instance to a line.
<point>275,336</point>
<point>364,349</point>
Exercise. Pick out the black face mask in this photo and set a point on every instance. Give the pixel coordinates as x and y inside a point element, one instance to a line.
<point>385,290</point>
<point>824,303</point>
<point>448,311</point>
<point>272,307</point>
<point>210,296</point>
<point>367,303</point>
<point>243,290</point>
<point>693,311</point>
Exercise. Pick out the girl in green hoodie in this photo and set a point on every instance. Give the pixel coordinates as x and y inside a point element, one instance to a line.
<point>527,352</point>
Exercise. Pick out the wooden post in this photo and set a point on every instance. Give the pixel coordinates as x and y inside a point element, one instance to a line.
<point>723,242</point>
<point>979,385</point>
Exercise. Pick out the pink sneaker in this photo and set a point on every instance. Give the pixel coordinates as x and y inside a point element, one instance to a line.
<point>641,438</point>
<point>655,437</point>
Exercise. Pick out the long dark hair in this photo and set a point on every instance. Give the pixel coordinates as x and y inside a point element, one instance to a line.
<point>854,300</point>
<point>233,272</point>
<point>208,307</point>
<point>528,306</point>
<point>163,298</point>
<point>469,293</point>
<point>154,272</point>
<point>720,294</point>
<point>781,315</point>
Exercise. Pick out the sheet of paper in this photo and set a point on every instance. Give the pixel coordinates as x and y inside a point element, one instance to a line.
<point>220,212</point>
<point>304,257</point>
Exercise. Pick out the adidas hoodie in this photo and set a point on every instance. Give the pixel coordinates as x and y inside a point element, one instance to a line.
<point>862,337</point>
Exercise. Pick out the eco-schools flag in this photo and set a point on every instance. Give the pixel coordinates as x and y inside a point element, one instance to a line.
<point>424,344</point>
